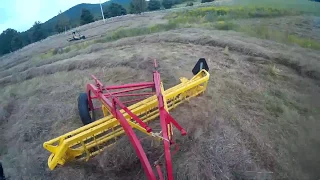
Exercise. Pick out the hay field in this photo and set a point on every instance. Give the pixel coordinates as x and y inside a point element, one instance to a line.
<point>259,117</point>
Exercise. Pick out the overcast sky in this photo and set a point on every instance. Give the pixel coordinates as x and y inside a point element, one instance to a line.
<point>21,14</point>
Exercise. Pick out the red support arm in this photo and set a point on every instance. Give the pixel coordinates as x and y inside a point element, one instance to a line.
<point>110,100</point>
<point>128,90</point>
<point>163,123</point>
<point>149,84</point>
<point>134,94</point>
<point>176,124</point>
<point>158,167</point>
<point>135,117</point>
<point>131,135</point>
<point>134,100</point>
<point>137,146</point>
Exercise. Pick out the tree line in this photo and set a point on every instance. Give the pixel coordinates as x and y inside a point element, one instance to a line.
<point>12,40</point>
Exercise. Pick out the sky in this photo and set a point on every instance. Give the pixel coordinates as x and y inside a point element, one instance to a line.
<point>21,14</point>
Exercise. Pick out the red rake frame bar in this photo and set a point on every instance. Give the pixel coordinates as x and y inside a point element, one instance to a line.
<point>111,101</point>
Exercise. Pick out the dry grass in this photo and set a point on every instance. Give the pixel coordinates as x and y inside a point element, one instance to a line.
<point>212,148</point>
<point>274,71</point>
<point>258,118</point>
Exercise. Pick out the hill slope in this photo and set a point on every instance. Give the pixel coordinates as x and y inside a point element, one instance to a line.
<point>74,13</point>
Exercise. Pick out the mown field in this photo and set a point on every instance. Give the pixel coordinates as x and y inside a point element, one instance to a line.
<point>258,119</point>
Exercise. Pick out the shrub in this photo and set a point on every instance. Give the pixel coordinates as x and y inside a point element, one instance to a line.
<point>303,42</point>
<point>274,71</point>
<point>55,51</point>
<point>204,1</point>
<point>154,5</point>
<point>222,25</point>
<point>210,17</point>
<point>167,4</point>
<point>114,10</point>
<point>221,12</point>
<point>189,4</point>
<point>67,49</point>
<point>177,1</point>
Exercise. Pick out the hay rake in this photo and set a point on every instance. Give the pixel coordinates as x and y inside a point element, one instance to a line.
<point>121,118</point>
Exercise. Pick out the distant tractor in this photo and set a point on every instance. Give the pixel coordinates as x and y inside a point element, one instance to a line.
<point>76,36</point>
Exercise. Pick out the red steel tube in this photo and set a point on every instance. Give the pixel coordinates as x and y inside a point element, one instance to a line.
<point>159,172</point>
<point>135,117</point>
<point>134,100</point>
<point>130,85</point>
<point>163,123</point>
<point>132,137</point>
<point>110,100</point>
<point>131,89</point>
<point>135,94</point>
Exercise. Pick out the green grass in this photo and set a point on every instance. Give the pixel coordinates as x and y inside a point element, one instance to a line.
<point>221,18</point>
<point>303,42</point>
<point>131,32</point>
<point>55,51</point>
<point>274,71</point>
<point>213,13</point>
<point>305,6</point>
<point>222,25</point>
<point>115,35</point>
<point>291,125</point>
<point>224,18</point>
<point>264,32</point>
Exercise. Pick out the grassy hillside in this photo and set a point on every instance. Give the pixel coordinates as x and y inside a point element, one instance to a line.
<point>74,13</point>
<point>66,20</point>
<point>306,6</point>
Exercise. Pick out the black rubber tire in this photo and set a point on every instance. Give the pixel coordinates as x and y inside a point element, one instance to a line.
<point>1,173</point>
<point>83,108</point>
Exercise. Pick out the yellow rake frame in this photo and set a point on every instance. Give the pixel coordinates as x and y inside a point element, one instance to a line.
<point>90,140</point>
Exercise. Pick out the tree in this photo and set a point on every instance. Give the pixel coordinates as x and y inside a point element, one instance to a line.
<point>177,1</point>
<point>154,5</point>
<point>25,37</point>
<point>16,43</point>
<point>132,10</point>
<point>204,1</point>
<point>114,10</point>
<point>86,17</point>
<point>63,22</point>
<point>167,4</point>
<point>37,33</point>
<point>189,4</point>
<point>137,6</point>
<point>9,41</point>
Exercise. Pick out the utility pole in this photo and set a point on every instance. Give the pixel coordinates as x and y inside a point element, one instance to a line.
<point>104,21</point>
